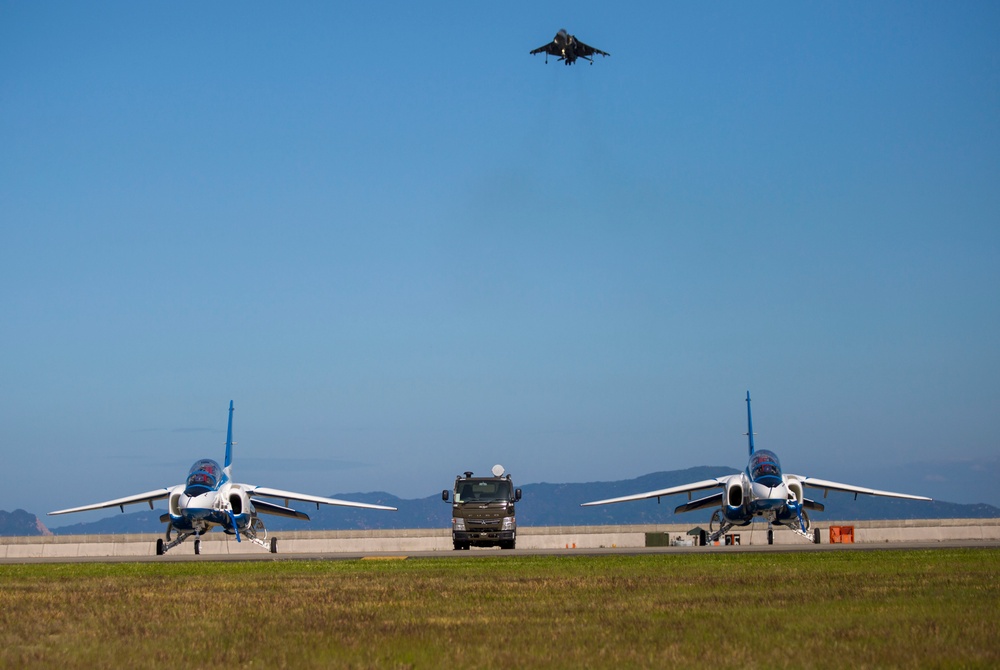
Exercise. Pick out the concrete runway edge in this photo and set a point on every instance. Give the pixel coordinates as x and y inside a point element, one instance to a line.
<point>303,544</point>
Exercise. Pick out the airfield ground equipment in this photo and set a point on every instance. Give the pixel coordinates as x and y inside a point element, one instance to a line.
<point>482,510</point>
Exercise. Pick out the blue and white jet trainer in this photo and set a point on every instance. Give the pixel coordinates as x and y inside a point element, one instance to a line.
<point>761,491</point>
<point>210,498</point>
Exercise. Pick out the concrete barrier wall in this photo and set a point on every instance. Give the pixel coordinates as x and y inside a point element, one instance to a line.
<point>552,537</point>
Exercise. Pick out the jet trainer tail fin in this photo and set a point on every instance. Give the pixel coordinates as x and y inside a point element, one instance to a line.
<point>749,424</point>
<point>227,466</point>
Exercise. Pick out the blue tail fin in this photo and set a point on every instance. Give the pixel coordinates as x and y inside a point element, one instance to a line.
<point>749,424</point>
<point>229,440</point>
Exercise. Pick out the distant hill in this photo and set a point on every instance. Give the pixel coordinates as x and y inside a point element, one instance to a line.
<point>557,505</point>
<point>20,524</point>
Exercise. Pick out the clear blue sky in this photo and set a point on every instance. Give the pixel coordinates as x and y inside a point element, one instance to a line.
<point>406,248</point>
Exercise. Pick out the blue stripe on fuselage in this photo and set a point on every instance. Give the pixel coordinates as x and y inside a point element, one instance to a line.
<point>199,517</point>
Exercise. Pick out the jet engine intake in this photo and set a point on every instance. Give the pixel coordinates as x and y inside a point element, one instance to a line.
<point>238,502</point>
<point>795,488</point>
<point>173,504</point>
<point>734,493</point>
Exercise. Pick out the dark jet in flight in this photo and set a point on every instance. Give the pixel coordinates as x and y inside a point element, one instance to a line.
<point>568,49</point>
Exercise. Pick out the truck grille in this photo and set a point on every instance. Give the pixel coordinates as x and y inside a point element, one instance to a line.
<point>481,524</point>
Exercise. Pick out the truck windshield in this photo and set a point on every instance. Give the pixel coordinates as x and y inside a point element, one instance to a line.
<point>486,492</point>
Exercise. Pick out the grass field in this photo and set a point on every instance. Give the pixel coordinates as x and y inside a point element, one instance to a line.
<point>828,609</point>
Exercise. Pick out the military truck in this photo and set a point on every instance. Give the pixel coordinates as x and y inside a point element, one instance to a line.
<point>482,511</point>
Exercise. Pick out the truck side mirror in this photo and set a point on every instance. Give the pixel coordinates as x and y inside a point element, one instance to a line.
<point>517,494</point>
<point>444,495</point>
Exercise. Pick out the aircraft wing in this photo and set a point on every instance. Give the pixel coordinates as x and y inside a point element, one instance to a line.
<point>713,500</point>
<point>549,48</point>
<point>319,500</point>
<point>850,488</point>
<point>585,50</point>
<point>149,496</point>
<point>270,508</point>
<point>684,488</point>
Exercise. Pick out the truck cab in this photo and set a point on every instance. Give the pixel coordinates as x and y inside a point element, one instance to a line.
<point>482,510</point>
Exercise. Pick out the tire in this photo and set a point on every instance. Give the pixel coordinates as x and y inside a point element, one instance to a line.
<point>770,537</point>
<point>197,547</point>
<point>159,546</point>
<point>274,545</point>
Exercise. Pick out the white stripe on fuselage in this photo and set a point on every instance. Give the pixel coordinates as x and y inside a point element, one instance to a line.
<point>764,497</point>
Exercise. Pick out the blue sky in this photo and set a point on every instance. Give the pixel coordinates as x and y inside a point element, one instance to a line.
<point>406,248</point>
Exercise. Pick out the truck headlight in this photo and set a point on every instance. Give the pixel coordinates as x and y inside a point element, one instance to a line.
<point>508,523</point>
<point>458,524</point>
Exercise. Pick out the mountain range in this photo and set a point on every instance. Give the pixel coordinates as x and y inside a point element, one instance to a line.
<point>20,523</point>
<point>542,504</point>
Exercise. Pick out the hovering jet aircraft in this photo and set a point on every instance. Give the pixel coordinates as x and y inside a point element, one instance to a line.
<point>210,498</point>
<point>568,49</point>
<point>762,491</point>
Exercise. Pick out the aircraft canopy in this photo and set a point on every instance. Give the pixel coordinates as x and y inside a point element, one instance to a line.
<point>202,477</point>
<point>764,468</point>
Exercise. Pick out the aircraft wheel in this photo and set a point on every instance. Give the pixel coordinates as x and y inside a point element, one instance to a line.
<point>159,546</point>
<point>197,546</point>
<point>770,536</point>
<point>274,545</point>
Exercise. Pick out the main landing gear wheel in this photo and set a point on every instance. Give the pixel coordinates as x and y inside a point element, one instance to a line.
<point>159,546</point>
<point>197,546</point>
<point>770,536</point>
<point>274,545</point>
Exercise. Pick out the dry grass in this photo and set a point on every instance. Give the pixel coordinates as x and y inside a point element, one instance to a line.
<point>871,608</point>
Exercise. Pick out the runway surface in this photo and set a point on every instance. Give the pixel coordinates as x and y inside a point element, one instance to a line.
<point>484,553</point>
